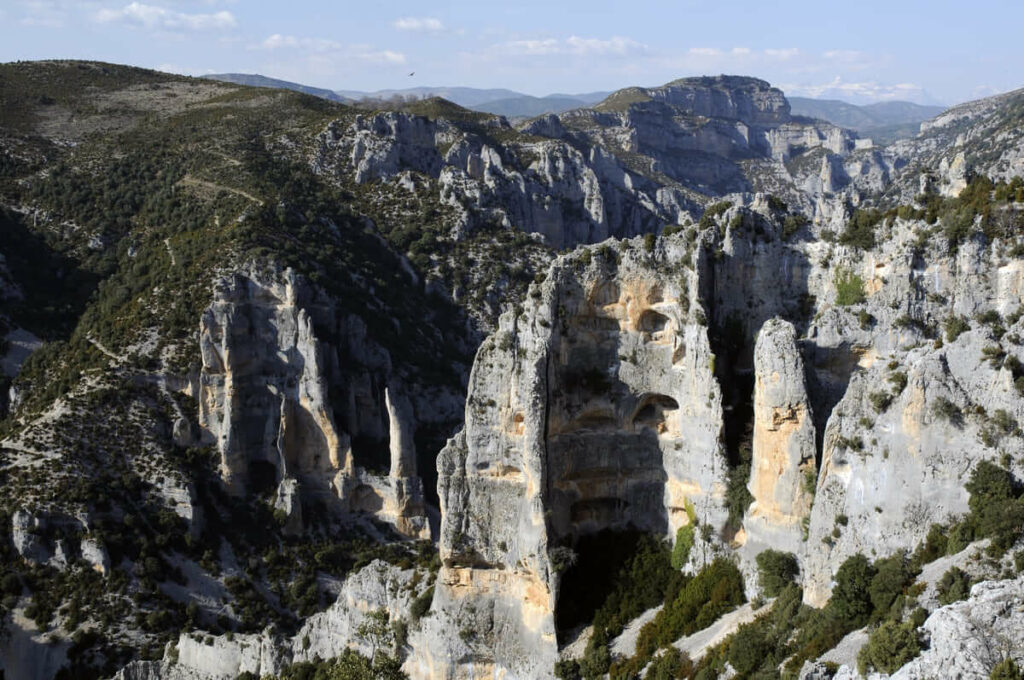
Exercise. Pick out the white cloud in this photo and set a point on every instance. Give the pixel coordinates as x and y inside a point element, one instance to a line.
<point>378,56</point>
<point>325,51</point>
<point>859,92</point>
<point>154,17</point>
<point>45,13</point>
<point>532,47</point>
<point>783,54</point>
<point>574,45</point>
<point>278,41</point>
<point>614,45</point>
<point>419,24</point>
<point>705,51</point>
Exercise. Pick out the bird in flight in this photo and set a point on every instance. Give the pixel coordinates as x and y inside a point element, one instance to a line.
<point>412,74</point>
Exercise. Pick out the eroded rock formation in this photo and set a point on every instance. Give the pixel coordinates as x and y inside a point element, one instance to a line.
<point>593,407</point>
<point>783,468</point>
<point>294,413</point>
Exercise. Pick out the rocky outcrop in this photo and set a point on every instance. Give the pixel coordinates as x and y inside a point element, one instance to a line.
<point>535,184</point>
<point>783,443</point>
<point>594,407</point>
<point>965,639</point>
<point>968,639</point>
<point>56,540</point>
<point>913,415</point>
<point>289,410</point>
<point>326,635</point>
<point>638,160</point>
<point>603,361</point>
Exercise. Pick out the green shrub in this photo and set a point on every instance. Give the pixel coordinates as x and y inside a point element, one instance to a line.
<point>880,401</point>
<point>851,597</point>
<point>860,230</point>
<point>899,382</point>
<point>737,495</point>
<point>997,511</point>
<point>649,242</point>
<point>714,591</point>
<point>892,577</point>
<point>596,661</point>
<point>955,585</point>
<point>955,326</point>
<point>775,570</point>
<point>947,410</point>
<point>748,648</point>
<point>757,649</point>
<point>1007,669</point>
<point>792,224</point>
<point>959,537</point>
<point>712,212</point>
<point>670,665</point>
<point>568,669</point>
<point>890,646</point>
<point>933,548</point>
<point>684,543</point>
<point>1006,423</point>
<point>849,288</point>
<point>421,604</point>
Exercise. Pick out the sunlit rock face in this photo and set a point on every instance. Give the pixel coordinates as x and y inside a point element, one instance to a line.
<point>593,407</point>
<point>783,468</point>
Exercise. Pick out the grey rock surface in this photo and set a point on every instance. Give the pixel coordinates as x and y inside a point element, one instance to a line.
<point>594,407</point>
<point>783,443</point>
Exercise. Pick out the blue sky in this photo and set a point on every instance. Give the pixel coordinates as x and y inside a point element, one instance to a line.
<point>930,52</point>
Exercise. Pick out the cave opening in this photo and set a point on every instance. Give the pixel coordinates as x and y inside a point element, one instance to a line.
<point>371,453</point>
<point>429,440</point>
<point>262,477</point>
<point>600,566</point>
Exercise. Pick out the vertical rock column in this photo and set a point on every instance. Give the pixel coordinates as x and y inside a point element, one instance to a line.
<point>410,512</point>
<point>783,447</point>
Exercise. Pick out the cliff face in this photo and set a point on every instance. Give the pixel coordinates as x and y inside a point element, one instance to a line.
<point>603,403</point>
<point>297,397</point>
<point>490,175</point>
<point>593,407</point>
<point>718,136</point>
<point>783,445</point>
<point>638,160</point>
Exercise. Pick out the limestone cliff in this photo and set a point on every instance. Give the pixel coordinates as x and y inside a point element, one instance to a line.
<point>603,402</point>
<point>783,443</point>
<point>290,410</point>
<point>535,184</point>
<point>592,407</point>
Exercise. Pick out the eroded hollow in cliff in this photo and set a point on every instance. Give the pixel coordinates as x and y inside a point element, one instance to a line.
<point>732,345</point>
<point>603,561</point>
<point>607,476</point>
<point>827,380</point>
<point>605,462</point>
<point>263,477</point>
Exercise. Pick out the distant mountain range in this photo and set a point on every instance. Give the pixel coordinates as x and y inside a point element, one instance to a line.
<point>884,122</point>
<point>496,100</point>
<point>256,80</point>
